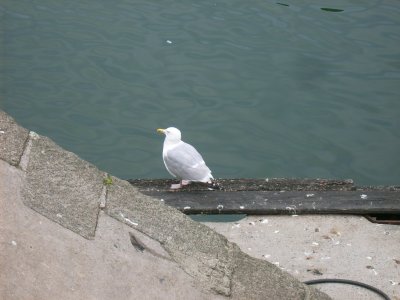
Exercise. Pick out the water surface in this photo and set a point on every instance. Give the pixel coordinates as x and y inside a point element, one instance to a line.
<point>260,88</point>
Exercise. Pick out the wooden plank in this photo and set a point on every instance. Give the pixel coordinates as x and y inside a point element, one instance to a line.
<point>273,184</point>
<point>255,197</point>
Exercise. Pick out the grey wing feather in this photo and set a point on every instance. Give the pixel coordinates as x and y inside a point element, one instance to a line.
<point>186,163</point>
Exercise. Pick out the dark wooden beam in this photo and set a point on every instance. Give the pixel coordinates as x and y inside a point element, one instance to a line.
<point>275,196</point>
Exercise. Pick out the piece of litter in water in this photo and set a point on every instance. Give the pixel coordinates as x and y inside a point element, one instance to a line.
<point>363,196</point>
<point>162,200</point>
<point>264,221</point>
<point>169,42</point>
<point>186,207</point>
<point>276,231</point>
<point>220,206</point>
<point>369,257</point>
<point>14,243</point>
<point>309,195</point>
<point>393,282</point>
<point>241,207</point>
<point>294,215</point>
<point>315,243</point>
<point>236,225</point>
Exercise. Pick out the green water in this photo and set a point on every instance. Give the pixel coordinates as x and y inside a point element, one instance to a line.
<point>262,89</point>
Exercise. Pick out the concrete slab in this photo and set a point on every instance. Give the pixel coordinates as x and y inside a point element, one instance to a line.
<point>329,246</point>
<point>12,139</point>
<point>62,187</point>
<point>164,255</point>
<point>40,259</point>
<point>215,263</point>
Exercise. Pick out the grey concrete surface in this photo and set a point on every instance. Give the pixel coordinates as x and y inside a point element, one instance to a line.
<point>12,139</point>
<point>43,260</point>
<point>329,246</point>
<point>66,234</point>
<point>61,186</point>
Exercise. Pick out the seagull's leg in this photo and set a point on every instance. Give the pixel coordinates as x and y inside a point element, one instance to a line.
<point>185,182</point>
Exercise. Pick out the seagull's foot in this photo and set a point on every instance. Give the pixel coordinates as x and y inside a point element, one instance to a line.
<point>185,182</point>
<point>176,186</point>
<point>180,185</point>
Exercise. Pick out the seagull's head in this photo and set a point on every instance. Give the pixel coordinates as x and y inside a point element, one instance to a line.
<point>171,133</point>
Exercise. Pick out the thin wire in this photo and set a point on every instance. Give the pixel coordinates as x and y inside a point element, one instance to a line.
<point>351,282</point>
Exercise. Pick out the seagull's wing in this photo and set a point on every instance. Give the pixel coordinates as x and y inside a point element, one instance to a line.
<point>184,162</point>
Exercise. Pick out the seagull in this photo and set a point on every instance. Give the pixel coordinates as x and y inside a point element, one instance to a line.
<point>182,160</point>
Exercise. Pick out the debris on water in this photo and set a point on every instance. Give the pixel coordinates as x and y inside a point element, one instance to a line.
<point>220,207</point>
<point>264,221</point>
<point>369,257</point>
<point>236,225</point>
<point>162,200</point>
<point>266,179</point>
<point>186,207</point>
<point>309,195</point>
<point>14,243</point>
<point>294,215</point>
<point>169,41</point>
<point>363,196</point>
<point>392,282</point>
<point>315,243</point>
<point>241,207</point>
<point>276,231</point>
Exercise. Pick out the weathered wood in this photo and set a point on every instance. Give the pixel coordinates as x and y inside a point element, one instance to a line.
<point>273,184</point>
<point>276,196</point>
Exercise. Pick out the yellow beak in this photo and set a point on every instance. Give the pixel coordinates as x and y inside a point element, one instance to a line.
<point>159,130</point>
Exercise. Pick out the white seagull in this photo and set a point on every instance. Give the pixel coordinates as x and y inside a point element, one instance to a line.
<point>182,160</point>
